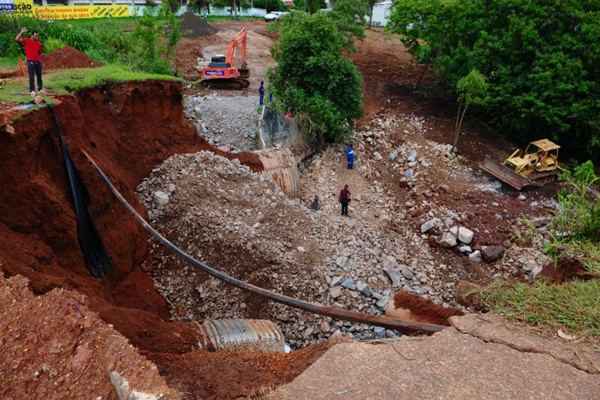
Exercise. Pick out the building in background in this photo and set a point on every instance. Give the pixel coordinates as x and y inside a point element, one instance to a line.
<point>381,13</point>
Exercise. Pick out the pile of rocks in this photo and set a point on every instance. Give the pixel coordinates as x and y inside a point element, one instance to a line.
<point>240,222</point>
<point>229,121</point>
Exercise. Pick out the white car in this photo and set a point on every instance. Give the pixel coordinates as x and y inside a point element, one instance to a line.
<point>275,15</point>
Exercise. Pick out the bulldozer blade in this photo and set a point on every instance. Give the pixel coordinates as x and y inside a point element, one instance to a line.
<point>505,174</point>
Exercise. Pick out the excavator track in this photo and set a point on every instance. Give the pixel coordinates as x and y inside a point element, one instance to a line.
<point>226,84</point>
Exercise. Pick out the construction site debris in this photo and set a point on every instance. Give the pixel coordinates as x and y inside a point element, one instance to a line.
<point>248,227</point>
<point>67,57</point>
<point>230,121</point>
<point>193,25</point>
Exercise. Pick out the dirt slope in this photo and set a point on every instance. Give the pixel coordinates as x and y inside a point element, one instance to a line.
<point>129,129</point>
<point>54,347</point>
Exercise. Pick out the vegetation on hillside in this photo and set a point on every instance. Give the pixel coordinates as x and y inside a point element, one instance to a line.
<point>574,234</point>
<point>146,44</point>
<point>574,305</point>
<point>72,80</point>
<point>349,16</point>
<point>575,230</point>
<point>313,80</point>
<point>541,60</point>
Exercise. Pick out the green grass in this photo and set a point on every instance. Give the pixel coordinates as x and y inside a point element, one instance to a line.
<point>585,250</point>
<point>73,80</point>
<point>574,305</point>
<point>8,62</point>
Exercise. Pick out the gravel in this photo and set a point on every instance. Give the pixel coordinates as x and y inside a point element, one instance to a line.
<point>230,121</point>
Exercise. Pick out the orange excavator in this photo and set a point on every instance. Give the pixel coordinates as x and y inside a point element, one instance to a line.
<point>229,71</point>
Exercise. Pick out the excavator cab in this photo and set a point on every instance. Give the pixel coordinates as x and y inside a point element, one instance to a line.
<point>228,71</point>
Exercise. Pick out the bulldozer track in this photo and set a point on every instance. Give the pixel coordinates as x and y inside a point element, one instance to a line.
<point>226,84</point>
<point>333,312</point>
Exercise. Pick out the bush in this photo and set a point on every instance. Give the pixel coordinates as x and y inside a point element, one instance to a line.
<point>146,51</point>
<point>148,48</point>
<point>541,60</point>
<point>575,229</point>
<point>51,44</point>
<point>579,208</point>
<point>313,80</point>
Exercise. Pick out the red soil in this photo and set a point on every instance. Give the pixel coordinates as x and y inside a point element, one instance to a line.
<point>200,374</point>
<point>37,224</point>
<point>67,57</point>
<point>129,129</point>
<point>567,269</point>
<point>54,347</point>
<point>424,310</point>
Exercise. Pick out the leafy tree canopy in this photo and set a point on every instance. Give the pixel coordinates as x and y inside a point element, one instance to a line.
<point>541,60</point>
<point>312,79</point>
<point>349,16</point>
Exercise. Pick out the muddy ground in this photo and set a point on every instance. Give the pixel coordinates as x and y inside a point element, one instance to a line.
<point>39,238</point>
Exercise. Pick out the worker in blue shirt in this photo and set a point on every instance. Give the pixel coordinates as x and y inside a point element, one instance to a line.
<point>350,156</point>
<point>261,93</point>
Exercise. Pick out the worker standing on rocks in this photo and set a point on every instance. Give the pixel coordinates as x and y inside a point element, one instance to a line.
<point>350,156</point>
<point>33,53</point>
<point>316,204</point>
<point>261,93</point>
<point>345,199</point>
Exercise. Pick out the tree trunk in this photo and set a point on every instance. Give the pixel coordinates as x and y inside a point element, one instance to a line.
<point>371,17</point>
<point>458,125</point>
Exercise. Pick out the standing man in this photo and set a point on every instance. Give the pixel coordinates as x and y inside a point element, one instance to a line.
<point>350,156</point>
<point>261,93</point>
<point>316,204</point>
<point>345,199</point>
<point>33,53</point>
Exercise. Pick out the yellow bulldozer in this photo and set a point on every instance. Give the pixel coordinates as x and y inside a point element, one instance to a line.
<point>535,166</point>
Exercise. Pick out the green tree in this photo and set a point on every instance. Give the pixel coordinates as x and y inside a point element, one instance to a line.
<point>270,5</point>
<point>312,6</point>
<point>349,15</point>
<point>371,4</point>
<point>172,28</point>
<point>313,80</point>
<point>542,60</point>
<point>472,90</point>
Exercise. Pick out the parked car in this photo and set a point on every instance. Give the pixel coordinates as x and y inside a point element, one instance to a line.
<point>275,15</point>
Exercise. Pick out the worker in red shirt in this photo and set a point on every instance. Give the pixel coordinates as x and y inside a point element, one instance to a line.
<point>344,199</point>
<point>33,53</point>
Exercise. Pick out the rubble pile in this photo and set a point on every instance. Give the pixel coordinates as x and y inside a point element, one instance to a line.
<point>221,212</point>
<point>227,121</point>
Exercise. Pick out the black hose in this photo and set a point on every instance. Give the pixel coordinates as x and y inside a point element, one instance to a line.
<point>334,312</point>
<point>90,242</point>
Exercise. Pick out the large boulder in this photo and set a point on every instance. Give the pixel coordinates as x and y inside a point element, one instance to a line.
<point>492,253</point>
<point>429,225</point>
<point>448,240</point>
<point>465,235</point>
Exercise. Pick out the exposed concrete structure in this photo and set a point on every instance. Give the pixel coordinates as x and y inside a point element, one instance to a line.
<point>478,358</point>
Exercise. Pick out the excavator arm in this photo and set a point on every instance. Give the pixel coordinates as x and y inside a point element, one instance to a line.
<point>239,43</point>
